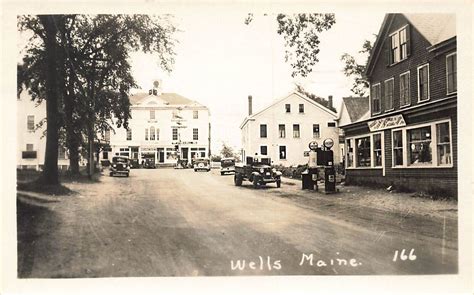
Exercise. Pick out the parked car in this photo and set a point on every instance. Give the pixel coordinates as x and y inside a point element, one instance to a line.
<point>257,170</point>
<point>120,165</point>
<point>227,165</point>
<point>202,164</point>
<point>148,163</point>
<point>134,163</point>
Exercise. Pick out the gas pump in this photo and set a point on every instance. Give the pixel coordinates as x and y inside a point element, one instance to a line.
<point>327,159</point>
<point>310,177</point>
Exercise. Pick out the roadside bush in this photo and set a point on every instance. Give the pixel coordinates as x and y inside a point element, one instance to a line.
<point>292,171</point>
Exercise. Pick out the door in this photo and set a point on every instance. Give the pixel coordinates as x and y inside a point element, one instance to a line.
<point>184,153</point>
<point>161,155</point>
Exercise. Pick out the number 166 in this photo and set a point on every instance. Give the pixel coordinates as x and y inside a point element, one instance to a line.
<point>403,256</point>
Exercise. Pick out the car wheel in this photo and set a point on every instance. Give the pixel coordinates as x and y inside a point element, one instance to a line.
<point>195,170</point>
<point>255,182</point>
<point>128,174</point>
<point>278,183</point>
<point>111,174</point>
<point>222,173</point>
<point>237,180</point>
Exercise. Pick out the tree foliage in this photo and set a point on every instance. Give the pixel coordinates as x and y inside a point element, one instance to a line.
<point>301,35</point>
<point>227,151</point>
<point>356,71</point>
<point>93,69</point>
<point>322,101</point>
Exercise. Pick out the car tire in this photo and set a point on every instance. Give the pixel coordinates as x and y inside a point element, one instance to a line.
<point>111,174</point>
<point>222,173</point>
<point>237,180</point>
<point>278,183</point>
<point>128,174</point>
<point>195,170</point>
<point>255,182</point>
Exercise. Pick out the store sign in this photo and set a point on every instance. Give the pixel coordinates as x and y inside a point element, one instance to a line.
<point>386,123</point>
<point>148,149</point>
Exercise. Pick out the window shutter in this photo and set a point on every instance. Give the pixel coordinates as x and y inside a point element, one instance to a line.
<point>408,29</point>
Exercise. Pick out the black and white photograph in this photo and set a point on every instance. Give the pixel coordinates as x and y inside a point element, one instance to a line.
<point>237,141</point>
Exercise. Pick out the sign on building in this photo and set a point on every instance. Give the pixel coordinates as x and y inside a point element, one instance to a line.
<point>386,123</point>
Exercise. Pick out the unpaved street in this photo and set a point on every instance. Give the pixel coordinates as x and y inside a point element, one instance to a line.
<point>168,222</point>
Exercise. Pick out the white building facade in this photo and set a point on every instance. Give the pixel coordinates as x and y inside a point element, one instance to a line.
<point>164,127</point>
<point>284,129</point>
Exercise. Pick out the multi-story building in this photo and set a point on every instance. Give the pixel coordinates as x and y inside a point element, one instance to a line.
<point>284,129</point>
<point>31,135</point>
<point>164,126</point>
<point>410,138</point>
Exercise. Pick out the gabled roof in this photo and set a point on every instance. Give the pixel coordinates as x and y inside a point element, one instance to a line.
<point>168,98</point>
<point>434,27</point>
<point>356,107</point>
<point>302,96</point>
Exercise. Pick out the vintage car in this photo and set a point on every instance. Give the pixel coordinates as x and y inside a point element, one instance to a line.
<point>227,165</point>
<point>148,163</point>
<point>134,163</point>
<point>120,165</point>
<point>202,164</point>
<point>258,170</point>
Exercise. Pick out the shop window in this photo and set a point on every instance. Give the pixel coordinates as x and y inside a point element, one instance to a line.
<point>195,114</point>
<point>152,133</point>
<point>405,89</point>
<point>443,144</point>
<point>175,134</point>
<point>301,108</point>
<point>195,134</point>
<point>423,83</point>
<point>263,150</point>
<point>397,148</point>
<point>349,153</point>
<point>388,94</point>
<point>263,131</point>
<point>129,134</point>
<point>451,73</point>
<point>287,108</point>
<point>281,130</point>
<point>419,146</point>
<point>316,133</point>
<point>363,152</point>
<point>282,153</point>
<point>375,95</point>
<point>30,123</point>
<point>296,130</point>
<point>377,141</point>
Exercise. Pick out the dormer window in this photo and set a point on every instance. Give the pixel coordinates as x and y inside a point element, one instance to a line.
<point>399,45</point>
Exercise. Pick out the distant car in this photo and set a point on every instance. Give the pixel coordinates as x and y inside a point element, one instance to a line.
<point>148,163</point>
<point>257,170</point>
<point>134,163</point>
<point>202,164</point>
<point>227,165</point>
<point>120,165</point>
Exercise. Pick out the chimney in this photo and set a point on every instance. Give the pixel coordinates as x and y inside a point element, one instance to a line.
<point>330,101</point>
<point>250,105</point>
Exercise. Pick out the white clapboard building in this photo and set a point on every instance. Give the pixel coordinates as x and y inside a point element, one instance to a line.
<point>284,129</point>
<point>164,126</point>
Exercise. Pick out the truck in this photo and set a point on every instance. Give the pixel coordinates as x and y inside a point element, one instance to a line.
<point>258,170</point>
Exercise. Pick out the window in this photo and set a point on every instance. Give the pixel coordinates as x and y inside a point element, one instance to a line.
<point>397,148</point>
<point>107,135</point>
<point>195,114</point>
<point>296,131</point>
<point>263,150</point>
<point>405,89</point>
<point>399,45</point>
<point>443,144</point>
<point>301,108</point>
<point>61,153</point>
<point>419,146</point>
<point>349,153</point>
<point>331,124</point>
<point>423,83</point>
<point>157,134</point>
<point>152,133</point>
<point>146,133</point>
<point>363,152</point>
<point>376,98</point>
<point>281,130</point>
<point>129,134</point>
<point>152,114</point>
<point>288,108</point>
<point>316,133</point>
<point>29,147</point>
<point>377,140</point>
<point>388,94</point>
<point>30,123</point>
<point>195,134</point>
<point>175,133</point>
<point>451,73</point>
<point>263,131</point>
<point>282,152</point>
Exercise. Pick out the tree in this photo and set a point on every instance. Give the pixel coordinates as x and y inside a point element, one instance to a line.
<point>316,98</point>
<point>301,34</point>
<point>92,58</point>
<point>356,71</point>
<point>227,151</point>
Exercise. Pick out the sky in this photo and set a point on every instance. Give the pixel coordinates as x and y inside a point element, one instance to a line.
<point>220,61</point>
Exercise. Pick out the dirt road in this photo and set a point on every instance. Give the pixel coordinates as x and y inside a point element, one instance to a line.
<point>167,222</point>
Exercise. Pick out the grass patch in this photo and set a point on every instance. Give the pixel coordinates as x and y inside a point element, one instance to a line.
<point>37,187</point>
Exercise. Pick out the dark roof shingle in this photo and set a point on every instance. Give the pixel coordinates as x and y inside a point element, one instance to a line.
<point>356,106</point>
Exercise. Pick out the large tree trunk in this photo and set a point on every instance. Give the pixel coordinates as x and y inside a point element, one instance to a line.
<point>50,172</point>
